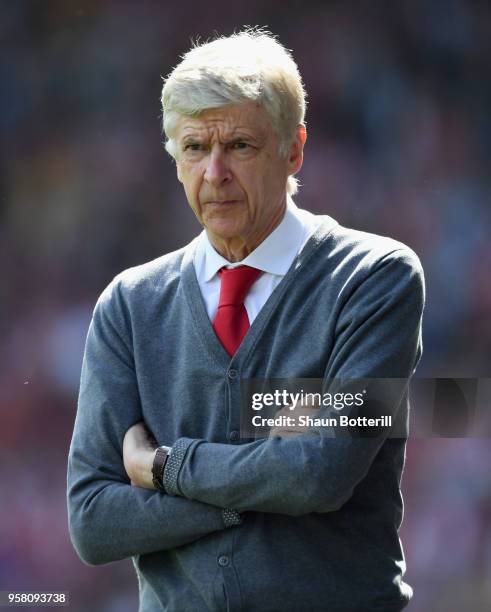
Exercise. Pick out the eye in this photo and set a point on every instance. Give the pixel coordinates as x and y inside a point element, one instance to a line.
<point>240,145</point>
<point>193,146</point>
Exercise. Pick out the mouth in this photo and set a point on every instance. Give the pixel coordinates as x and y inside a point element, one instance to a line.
<point>221,206</point>
<point>221,202</point>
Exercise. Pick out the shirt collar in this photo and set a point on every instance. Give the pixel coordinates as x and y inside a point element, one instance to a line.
<point>275,254</point>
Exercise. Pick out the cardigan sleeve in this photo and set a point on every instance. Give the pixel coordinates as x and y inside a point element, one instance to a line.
<point>108,518</point>
<point>378,335</point>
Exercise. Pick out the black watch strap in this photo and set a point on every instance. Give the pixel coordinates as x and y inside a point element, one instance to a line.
<point>158,467</point>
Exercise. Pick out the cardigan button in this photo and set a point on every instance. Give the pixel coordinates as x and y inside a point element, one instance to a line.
<point>234,436</point>
<point>223,560</point>
<point>232,374</point>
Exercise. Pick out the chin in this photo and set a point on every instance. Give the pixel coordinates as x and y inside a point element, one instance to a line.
<point>224,230</point>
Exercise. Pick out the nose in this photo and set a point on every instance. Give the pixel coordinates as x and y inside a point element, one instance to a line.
<point>217,171</point>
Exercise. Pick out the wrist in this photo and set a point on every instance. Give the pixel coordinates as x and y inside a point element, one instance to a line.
<point>142,469</point>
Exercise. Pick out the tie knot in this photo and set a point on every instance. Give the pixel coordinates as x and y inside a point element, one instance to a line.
<point>235,284</point>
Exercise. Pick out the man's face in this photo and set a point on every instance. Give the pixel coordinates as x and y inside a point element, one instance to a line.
<point>232,173</point>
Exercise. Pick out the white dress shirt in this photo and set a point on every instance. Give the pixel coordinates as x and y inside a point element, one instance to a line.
<point>273,256</point>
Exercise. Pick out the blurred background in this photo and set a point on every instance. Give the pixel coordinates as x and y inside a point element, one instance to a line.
<point>399,144</point>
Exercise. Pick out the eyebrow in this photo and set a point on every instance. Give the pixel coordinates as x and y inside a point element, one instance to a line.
<point>242,137</point>
<point>236,136</point>
<point>191,140</point>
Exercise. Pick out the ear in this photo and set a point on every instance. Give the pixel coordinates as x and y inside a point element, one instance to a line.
<point>295,155</point>
<point>178,168</point>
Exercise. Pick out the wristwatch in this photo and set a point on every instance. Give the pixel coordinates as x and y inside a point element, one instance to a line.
<point>161,455</point>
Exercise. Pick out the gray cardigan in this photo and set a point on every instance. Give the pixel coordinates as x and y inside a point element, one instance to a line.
<point>320,515</point>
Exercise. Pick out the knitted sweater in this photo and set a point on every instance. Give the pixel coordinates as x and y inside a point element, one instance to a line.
<point>319,515</point>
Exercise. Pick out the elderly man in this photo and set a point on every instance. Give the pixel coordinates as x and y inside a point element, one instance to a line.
<point>213,520</point>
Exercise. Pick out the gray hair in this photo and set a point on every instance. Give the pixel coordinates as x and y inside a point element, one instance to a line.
<point>250,65</point>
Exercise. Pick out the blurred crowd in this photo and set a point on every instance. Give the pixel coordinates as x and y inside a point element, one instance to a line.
<point>399,144</point>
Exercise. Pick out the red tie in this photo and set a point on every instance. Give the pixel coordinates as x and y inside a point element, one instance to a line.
<point>231,321</point>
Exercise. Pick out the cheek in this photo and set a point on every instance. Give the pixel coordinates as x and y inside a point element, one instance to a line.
<point>191,183</point>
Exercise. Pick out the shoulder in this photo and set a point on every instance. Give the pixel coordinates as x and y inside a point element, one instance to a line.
<point>141,285</point>
<point>365,252</point>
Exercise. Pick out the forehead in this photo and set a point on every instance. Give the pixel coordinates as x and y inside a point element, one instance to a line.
<point>238,119</point>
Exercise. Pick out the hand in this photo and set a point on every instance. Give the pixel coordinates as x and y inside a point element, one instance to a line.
<point>138,454</point>
<point>296,429</point>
